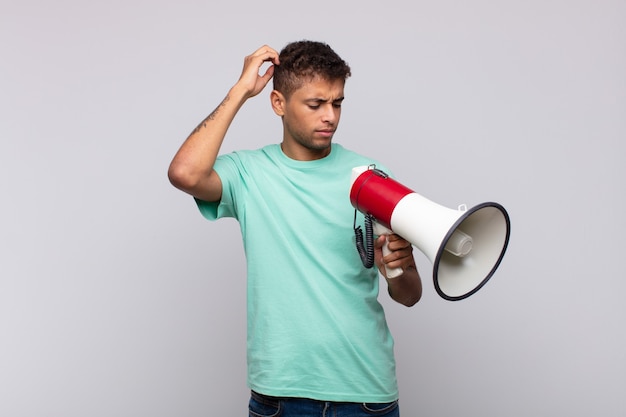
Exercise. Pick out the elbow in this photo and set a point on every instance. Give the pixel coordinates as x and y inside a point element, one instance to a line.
<point>180,177</point>
<point>407,299</point>
<point>411,299</point>
<point>194,182</point>
<point>175,175</point>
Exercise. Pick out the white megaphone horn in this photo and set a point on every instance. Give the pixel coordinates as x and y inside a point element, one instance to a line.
<point>465,246</point>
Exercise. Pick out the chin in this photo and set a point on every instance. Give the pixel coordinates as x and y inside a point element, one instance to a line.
<point>322,144</point>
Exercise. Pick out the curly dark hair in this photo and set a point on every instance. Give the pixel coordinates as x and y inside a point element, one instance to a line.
<point>302,60</point>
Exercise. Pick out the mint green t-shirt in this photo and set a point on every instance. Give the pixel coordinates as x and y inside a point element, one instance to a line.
<point>315,326</point>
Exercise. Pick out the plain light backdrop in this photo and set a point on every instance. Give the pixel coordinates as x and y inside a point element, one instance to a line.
<point>118,299</point>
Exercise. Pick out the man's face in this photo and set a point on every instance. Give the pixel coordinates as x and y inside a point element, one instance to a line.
<point>310,118</point>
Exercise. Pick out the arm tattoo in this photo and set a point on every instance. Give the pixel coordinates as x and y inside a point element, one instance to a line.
<point>211,116</point>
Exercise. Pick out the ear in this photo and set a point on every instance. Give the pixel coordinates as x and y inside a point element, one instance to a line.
<point>278,102</point>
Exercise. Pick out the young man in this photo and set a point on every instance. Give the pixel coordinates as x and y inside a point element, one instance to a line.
<point>317,335</point>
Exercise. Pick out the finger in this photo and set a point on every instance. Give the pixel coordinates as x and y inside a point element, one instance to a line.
<point>267,54</point>
<point>269,71</point>
<point>267,75</point>
<point>380,241</point>
<point>396,242</point>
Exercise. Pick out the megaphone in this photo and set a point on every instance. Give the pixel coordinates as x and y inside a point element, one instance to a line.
<point>465,246</point>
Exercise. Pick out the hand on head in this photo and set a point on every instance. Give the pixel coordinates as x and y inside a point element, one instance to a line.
<point>250,78</point>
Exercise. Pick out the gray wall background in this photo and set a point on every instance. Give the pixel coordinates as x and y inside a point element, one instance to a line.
<point>118,299</point>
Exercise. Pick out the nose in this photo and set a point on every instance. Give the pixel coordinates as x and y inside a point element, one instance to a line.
<point>330,114</point>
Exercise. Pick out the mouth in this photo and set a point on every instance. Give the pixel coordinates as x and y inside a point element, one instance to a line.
<point>325,132</point>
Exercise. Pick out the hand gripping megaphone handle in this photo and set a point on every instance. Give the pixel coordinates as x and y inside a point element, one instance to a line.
<point>379,229</point>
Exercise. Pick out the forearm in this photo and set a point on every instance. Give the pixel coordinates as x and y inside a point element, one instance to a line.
<point>406,289</point>
<point>191,170</point>
<point>192,165</point>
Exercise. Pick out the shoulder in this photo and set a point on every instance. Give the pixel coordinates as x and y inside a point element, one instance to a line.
<point>250,156</point>
<point>355,158</point>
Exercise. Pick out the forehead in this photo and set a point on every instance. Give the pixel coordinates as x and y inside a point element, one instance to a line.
<point>320,89</point>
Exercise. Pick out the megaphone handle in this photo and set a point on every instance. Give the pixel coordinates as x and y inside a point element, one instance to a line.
<point>379,229</point>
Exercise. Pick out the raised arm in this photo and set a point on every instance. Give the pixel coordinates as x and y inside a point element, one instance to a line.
<point>191,170</point>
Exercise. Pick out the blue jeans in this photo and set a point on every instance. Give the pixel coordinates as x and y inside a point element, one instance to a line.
<point>265,406</point>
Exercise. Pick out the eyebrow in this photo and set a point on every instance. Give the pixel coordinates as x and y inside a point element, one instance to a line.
<point>321,100</point>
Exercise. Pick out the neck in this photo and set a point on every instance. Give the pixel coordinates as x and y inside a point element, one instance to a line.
<point>300,153</point>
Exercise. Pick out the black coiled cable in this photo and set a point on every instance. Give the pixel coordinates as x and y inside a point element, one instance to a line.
<point>365,248</point>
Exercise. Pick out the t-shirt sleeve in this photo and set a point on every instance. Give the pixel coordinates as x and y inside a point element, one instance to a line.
<point>226,168</point>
